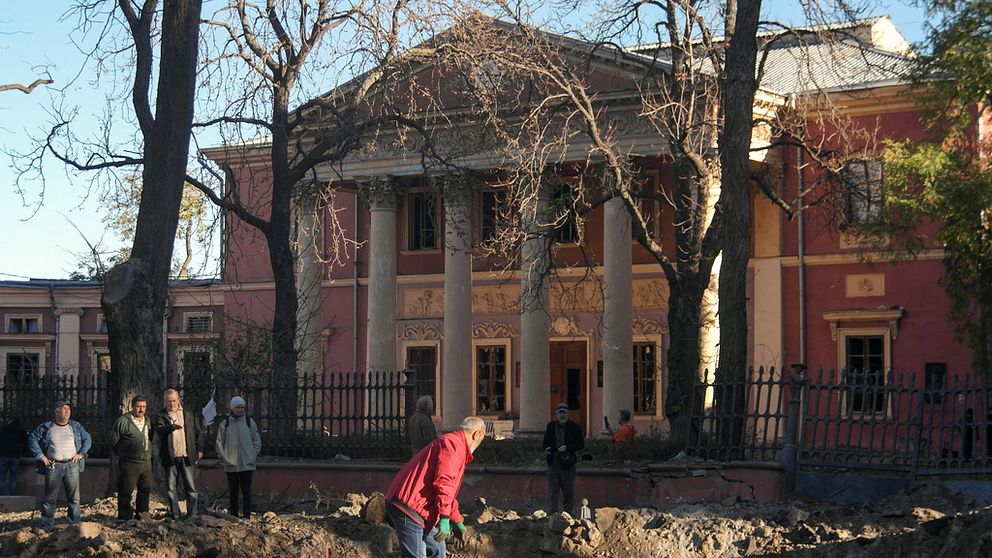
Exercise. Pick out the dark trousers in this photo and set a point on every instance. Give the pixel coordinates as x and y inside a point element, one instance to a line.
<point>133,474</point>
<point>561,480</point>
<point>240,484</point>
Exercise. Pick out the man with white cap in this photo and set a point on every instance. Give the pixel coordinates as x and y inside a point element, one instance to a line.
<point>562,438</point>
<point>238,444</point>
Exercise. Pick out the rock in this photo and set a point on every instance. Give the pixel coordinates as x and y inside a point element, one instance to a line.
<point>559,523</point>
<point>341,457</point>
<point>748,545</point>
<point>792,516</point>
<point>729,501</point>
<point>804,534</point>
<point>484,516</point>
<point>552,545</point>
<point>539,514</point>
<point>605,517</point>
<point>935,527</point>
<point>926,514</point>
<point>269,516</point>
<point>374,511</point>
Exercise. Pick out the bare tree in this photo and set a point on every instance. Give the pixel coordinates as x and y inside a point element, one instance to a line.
<point>135,292</point>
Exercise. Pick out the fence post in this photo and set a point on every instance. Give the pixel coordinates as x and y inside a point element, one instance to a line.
<point>790,453</point>
<point>917,421</point>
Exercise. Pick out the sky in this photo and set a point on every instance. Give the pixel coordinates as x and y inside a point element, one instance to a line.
<point>38,233</point>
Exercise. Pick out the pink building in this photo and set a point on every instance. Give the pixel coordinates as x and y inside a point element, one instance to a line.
<point>411,294</point>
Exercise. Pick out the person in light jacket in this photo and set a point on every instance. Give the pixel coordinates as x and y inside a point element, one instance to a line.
<point>238,444</point>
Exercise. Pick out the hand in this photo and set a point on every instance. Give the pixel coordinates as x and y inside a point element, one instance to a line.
<point>443,530</point>
<point>76,458</point>
<point>46,461</point>
<point>547,451</point>
<point>562,448</point>
<point>199,455</point>
<point>462,533</point>
<point>177,427</point>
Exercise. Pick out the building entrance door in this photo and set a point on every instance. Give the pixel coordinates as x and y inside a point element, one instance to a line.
<point>568,378</point>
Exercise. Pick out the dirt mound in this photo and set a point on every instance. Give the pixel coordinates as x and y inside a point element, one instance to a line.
<point>926,522</point>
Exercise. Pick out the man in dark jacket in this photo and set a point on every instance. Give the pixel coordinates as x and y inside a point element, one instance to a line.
<point>12,442</point>
<point>181,444</point>
<point>422,500</point>
<point>131,441</point>
<point>59,447</point>
<point>562,438</point>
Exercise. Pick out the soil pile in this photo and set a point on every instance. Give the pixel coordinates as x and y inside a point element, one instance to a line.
<point>927,522</point>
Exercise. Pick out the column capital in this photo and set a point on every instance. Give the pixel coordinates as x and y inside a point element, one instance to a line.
<point>62,310</point>
<point>382,191</point>
<point>454,185</point>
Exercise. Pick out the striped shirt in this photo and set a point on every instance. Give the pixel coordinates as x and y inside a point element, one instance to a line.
<point>63,446</point>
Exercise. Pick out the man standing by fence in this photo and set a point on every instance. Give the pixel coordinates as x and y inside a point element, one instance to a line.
<point>562,439</point>
<point>422,500</point>
<point>60,448</point>
<point>131,440</point>
<point>181,445</point>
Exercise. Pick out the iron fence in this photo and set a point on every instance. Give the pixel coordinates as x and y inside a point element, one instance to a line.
<point>895,421</point>
<point>314,416</point>
<point>739,419</point>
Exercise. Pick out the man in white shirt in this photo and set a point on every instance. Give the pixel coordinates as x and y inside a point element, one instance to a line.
<point>59,448</point>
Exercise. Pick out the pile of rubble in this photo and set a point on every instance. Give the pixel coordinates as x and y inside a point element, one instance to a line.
<point>930,522</point>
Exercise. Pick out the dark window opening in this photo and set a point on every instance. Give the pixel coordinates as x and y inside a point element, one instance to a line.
<point>491,379</point>
<point>864,374</point>
<point>22,368</point>
<point>422,221</point>
<point>645,374</point>
<point>423,361</point>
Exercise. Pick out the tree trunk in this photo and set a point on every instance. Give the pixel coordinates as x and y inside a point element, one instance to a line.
<point>735,198</point>
<point>684,399</point>
<point>135,294</point>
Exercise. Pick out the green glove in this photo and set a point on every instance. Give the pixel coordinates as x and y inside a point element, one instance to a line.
<point>461,526</point>
<point>443,529</point>
<point>461,532</point>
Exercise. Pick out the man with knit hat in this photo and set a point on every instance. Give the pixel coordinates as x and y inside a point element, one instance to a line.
<point>131,441</point>
<point>59,447</point>
<point>562,439</point>
<point>238,444</point>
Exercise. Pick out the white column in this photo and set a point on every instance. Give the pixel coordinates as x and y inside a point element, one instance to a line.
<point>309,278</point>
<point>618,380</point>
<point>67,359</point>
<point>535,358</point>
<point>380,347</point>
<point>456,386</point>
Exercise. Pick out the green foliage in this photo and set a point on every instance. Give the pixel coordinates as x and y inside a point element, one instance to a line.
<point>960,50</point>
<point>928,183</point>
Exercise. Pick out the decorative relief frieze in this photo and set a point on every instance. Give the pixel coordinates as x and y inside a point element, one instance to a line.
<point>493,330</point>
<point>646,326</point>
<point>421,331</point>
<point>564,326</point>
<point>865,284</point>
<point>499,299</point>
<point>422,303</point>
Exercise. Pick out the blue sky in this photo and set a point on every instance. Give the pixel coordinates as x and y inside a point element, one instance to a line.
<point>40,240</point>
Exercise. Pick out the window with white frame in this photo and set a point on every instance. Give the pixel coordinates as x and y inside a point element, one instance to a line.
<point>490,378</point>
<point>863,181</point>
<point>23,324</point>
<point>198,322</point>
<point>865,358</point>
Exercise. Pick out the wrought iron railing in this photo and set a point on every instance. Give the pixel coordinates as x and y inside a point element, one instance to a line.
<point>318,416</point>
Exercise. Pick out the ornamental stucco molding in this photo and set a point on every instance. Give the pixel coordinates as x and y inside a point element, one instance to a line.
<point>647,326</point>
<point>382,192</point>
<point>421,331</point>
<point>493,330</point>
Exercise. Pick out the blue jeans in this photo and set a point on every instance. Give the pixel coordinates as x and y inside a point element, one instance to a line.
<point>66,475</point>
<point>179,474</point>
<point>415,541</point>
<point>9,467</point>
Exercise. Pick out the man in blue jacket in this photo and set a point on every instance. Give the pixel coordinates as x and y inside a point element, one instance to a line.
<point>59,447</point>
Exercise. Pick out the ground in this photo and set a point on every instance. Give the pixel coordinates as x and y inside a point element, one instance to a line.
<point>930,521</point>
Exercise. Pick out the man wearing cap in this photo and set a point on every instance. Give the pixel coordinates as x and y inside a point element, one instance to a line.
<point>422,501</point>
<point>59,447</point>
<point>131,441</point>
<point>562,438</point>
<point>238,444</point>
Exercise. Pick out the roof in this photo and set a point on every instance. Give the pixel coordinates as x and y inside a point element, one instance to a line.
<point>831,66</point>
<point>71,284</point>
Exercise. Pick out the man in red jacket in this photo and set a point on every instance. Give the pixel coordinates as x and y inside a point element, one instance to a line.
<point>422,500</point>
